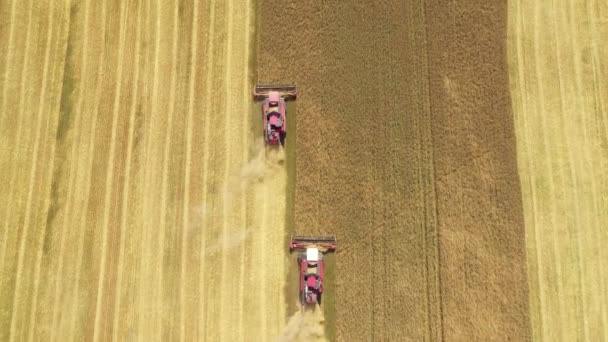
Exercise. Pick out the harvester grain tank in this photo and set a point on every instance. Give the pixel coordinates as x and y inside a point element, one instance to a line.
<point>274,109</point>
<point>311,265</point>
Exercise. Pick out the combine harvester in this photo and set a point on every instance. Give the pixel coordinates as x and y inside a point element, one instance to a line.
<point>274,106</point>
<point>311,264</point>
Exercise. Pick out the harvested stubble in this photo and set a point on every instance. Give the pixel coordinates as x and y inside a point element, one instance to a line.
<point>135,205</point>
<point>558,66</point>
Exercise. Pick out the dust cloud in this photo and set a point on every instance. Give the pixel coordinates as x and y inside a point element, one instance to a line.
<point>305,325</point>
<point>265,163</point>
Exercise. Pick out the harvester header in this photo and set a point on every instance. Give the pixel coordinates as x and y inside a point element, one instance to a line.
<point>287,92</point>
<point>325,243</point>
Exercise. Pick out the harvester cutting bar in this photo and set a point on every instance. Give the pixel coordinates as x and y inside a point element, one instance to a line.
<point>302,242</point>
<point>288,92</point>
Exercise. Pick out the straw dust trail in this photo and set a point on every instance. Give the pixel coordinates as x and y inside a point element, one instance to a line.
<point>305,325</point>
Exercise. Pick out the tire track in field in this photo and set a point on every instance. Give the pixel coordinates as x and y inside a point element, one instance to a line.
<point>109,182</point>
<point>224,310</point>
<point>66,302</point>
<point>34,162</point>
<point>7,62</point>
<point>141,312</point>
<point>596,65</point>
<point>528,164</point>
<point>32,261</point>
<point>430,230</point>
<point>127,183</point>
<point>587,164</point>
<point>579,244</point>
<point>7,198</point>
<point>186,198</point>
<point>164,180</point>
<point>6,8</point>
<point>599,90</point>
<point>549,162</point>
<point>74,167</point>
<point>262,291</point>
<point>556,250</point>
<point>21,117</point>
<point>247,142</point>
<point>142,309</point>
<point>217,159</point>
<point>241,207</point>
<point>55,109</point>
<point>147,293</point>
<point>574,179</point>
<point>87,181</point>
<point>166,162</point>
<point>207,129</point>
<point>546,158</point>
<point>6,282</point>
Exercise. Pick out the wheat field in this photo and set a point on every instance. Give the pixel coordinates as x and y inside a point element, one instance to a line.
<point>139,201</point>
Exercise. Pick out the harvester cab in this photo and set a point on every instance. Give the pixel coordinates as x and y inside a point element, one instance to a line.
<point>311,265</point>
<point>274,109</point>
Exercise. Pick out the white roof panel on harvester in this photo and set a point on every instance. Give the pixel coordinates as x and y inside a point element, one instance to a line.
<point>312,254</point>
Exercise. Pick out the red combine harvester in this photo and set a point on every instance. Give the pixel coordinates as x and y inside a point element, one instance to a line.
<point>311,264</point>
<point>274,108</point>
